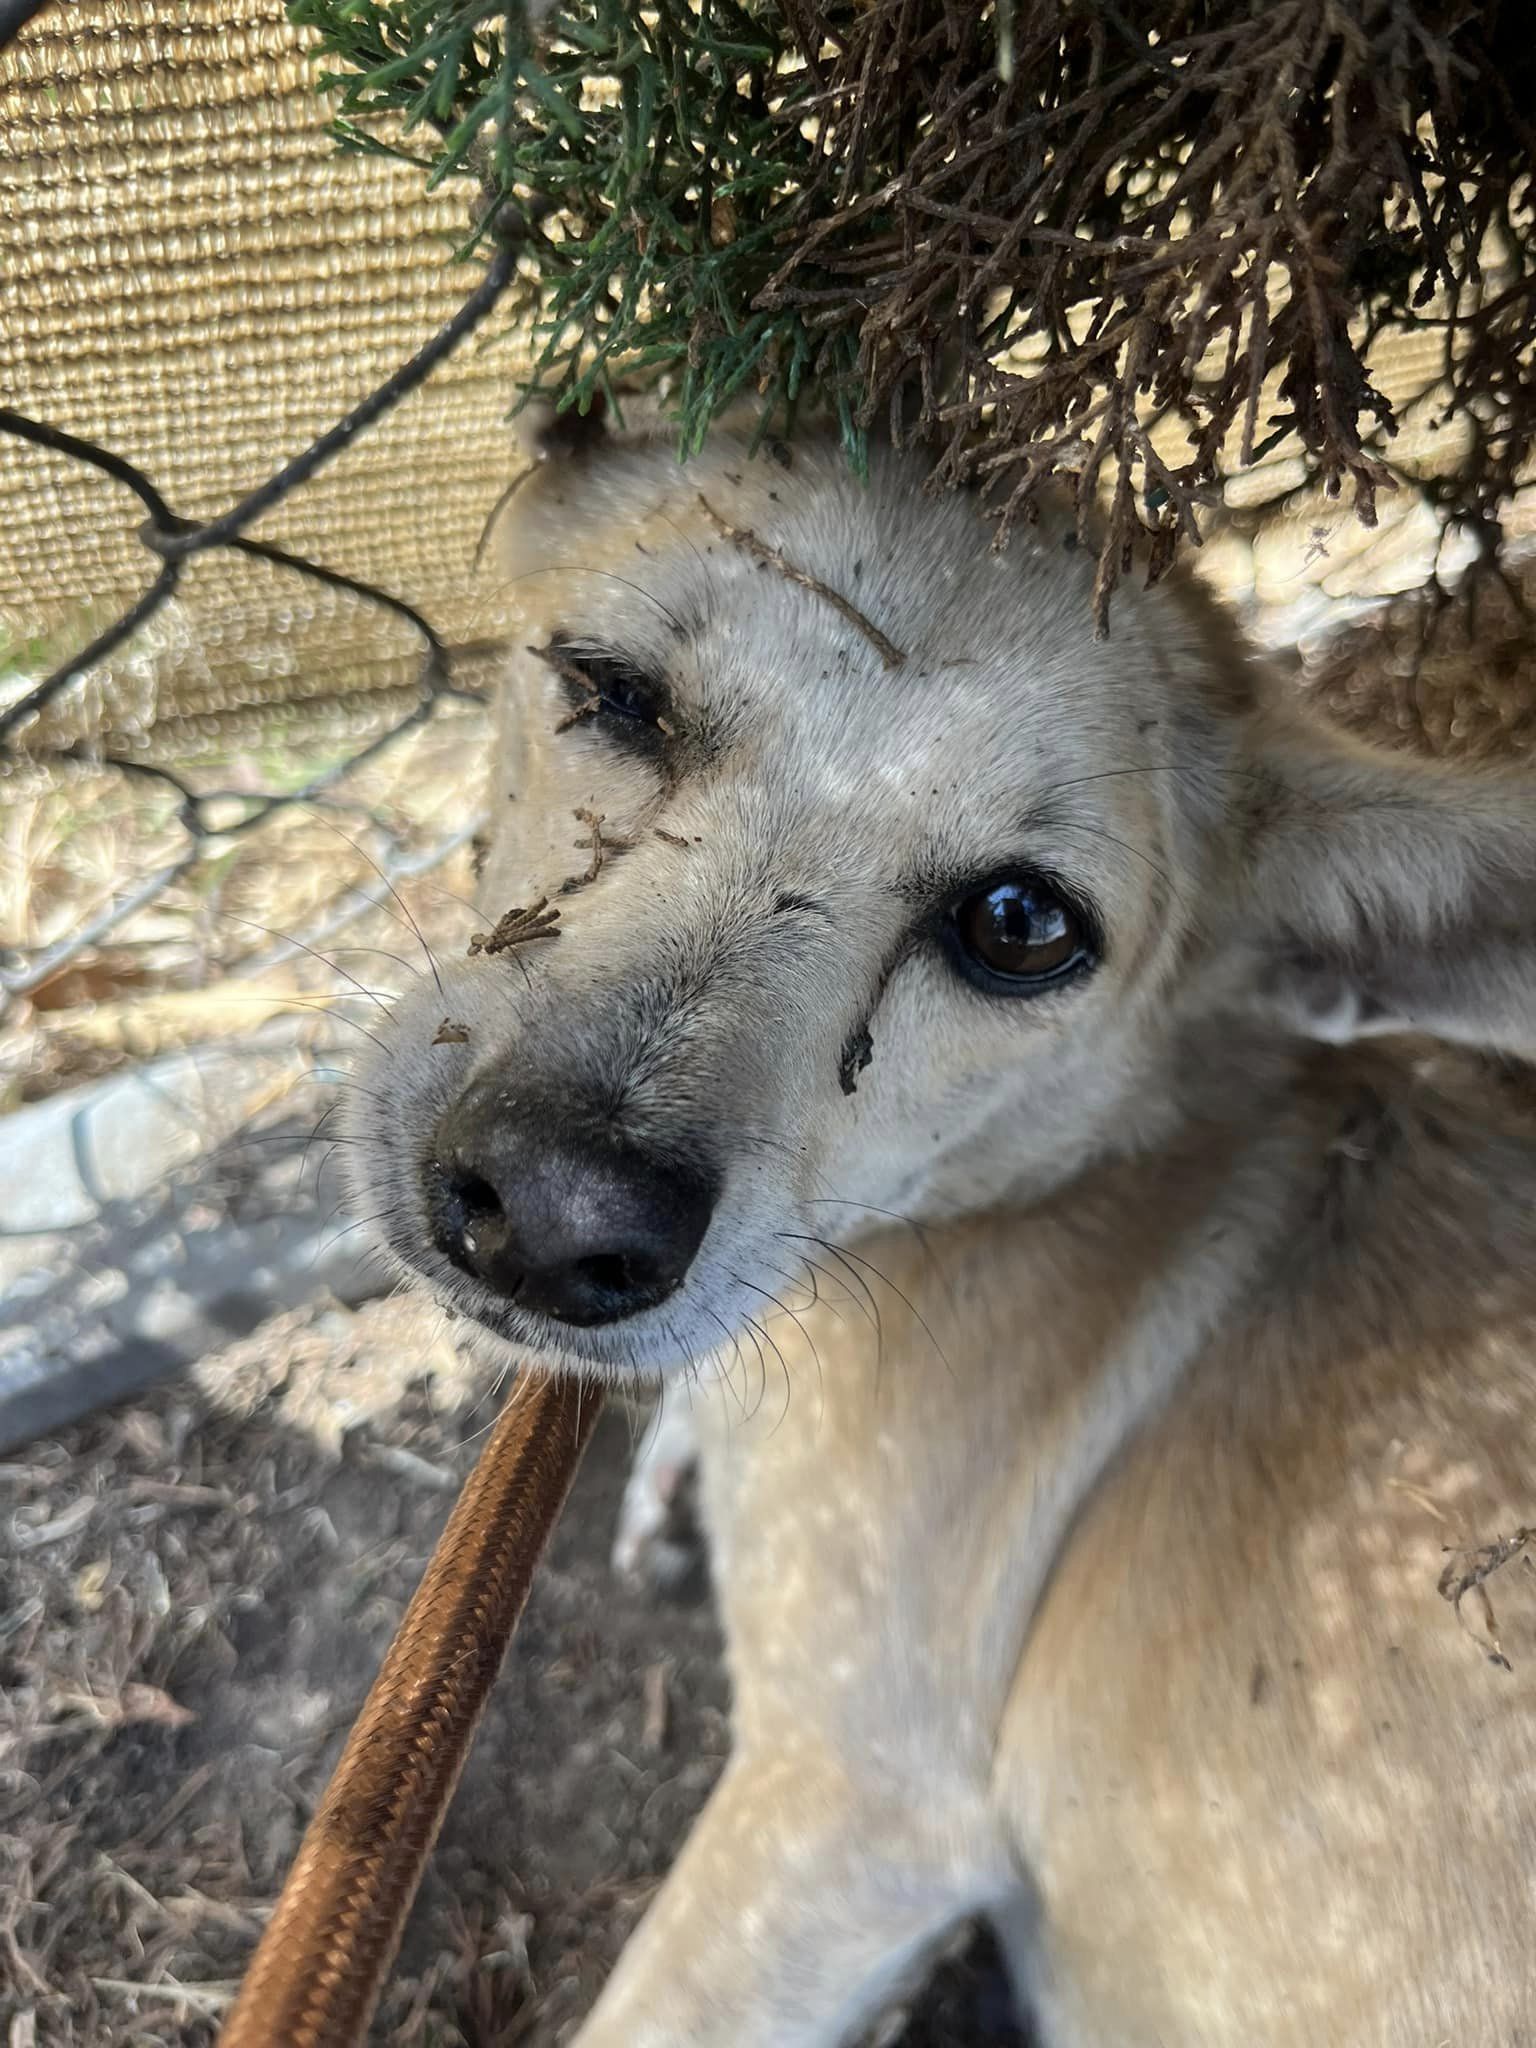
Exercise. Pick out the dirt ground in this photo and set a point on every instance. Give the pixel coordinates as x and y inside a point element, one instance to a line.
<point>194,1594</point>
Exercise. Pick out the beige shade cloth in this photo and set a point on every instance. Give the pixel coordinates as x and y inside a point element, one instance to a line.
<point>196,276</point>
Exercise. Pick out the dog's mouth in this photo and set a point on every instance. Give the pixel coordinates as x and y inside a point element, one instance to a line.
<point>643,1344</point>
<point>728,1306</point>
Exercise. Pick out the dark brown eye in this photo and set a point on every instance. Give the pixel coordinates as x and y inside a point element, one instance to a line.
<point>1018,935</point>
<point>602,683</point>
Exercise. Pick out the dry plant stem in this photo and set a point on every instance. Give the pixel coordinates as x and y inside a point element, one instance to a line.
<point>599,844</point>
<point>317,1971</point>
<point>770,558</point>
<point>587,708</point>
<point>516,927</point>
<point>1468,1569</point>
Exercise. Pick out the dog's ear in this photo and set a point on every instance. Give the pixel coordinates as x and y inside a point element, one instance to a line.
<point>1387,894</point>
<point>542,433</point>
<point>545,433</point>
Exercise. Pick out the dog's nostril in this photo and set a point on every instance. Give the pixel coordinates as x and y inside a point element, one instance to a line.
<point>478,1199</point>
<point>468,1222</point>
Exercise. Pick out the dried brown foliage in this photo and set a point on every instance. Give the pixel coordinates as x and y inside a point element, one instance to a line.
<point>1171,203</point>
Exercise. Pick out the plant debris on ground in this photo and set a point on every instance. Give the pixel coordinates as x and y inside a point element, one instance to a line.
<point>195,1593</point>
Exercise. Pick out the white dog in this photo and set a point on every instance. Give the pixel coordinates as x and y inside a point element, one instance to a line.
<point>946,1067</point>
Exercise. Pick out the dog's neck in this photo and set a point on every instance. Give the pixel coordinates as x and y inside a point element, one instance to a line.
<point>957,1380</point>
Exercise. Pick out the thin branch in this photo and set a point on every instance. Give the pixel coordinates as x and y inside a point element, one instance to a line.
<point>772,558</point>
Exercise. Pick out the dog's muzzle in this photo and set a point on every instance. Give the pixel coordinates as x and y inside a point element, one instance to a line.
<point>551,1208</point>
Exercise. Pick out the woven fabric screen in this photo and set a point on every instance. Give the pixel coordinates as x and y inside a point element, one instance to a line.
<point>195,276</point>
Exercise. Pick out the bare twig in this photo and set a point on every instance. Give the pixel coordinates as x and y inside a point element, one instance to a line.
<point>773,558</point>
<point>1468,1568</point>
<point>517,927</point>
<point>598,843</point>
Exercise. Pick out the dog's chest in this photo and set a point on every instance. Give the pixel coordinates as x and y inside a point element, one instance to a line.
<point>884,1504</point>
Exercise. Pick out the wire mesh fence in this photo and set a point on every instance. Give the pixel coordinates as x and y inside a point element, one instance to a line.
<point>196,280</point>
<point>50,1350</point>
<point>212,816</point>
<point>240,697</point>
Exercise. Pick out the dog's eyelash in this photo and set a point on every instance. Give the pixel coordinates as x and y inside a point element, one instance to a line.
<point>603,683</point>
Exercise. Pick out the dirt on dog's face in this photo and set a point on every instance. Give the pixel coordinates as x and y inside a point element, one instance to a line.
<point>871,866</point>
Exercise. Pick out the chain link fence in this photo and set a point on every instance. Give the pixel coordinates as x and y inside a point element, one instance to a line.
<point>55,1365</point>
<point>229,758</point>
<point>196,281</point>
<point>214,815</point>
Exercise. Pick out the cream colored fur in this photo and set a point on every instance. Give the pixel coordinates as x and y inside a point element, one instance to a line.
<point>1087,1401</point>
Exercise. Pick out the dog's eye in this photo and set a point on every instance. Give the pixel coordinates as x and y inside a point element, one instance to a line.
<point>622,689</point>
<point>1019,934</point>
<point>601,682</point>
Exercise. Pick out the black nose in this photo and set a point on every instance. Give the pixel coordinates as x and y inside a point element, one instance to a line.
<point>558,1215</point>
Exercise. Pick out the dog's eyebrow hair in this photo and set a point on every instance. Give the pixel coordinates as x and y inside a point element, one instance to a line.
<point>679,626</point>
<point>921,881</point>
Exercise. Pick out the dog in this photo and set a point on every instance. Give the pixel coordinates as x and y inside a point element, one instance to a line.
<point>1034,1103</point>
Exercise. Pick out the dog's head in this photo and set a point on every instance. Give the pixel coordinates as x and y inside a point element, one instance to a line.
<point>881,888</point>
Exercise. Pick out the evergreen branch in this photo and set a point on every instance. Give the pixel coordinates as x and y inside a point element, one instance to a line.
<point>1199,206</point>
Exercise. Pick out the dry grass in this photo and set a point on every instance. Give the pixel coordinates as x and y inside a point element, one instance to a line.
<point>194,1596</point>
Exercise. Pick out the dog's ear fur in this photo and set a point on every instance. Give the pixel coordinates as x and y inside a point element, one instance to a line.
<point>544,433</point>
<point>1388,894</point>
<point>541,434</point>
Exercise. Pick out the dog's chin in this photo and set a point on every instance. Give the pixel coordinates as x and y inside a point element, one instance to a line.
<point>667,1342</point>
<point>618,1354</point>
